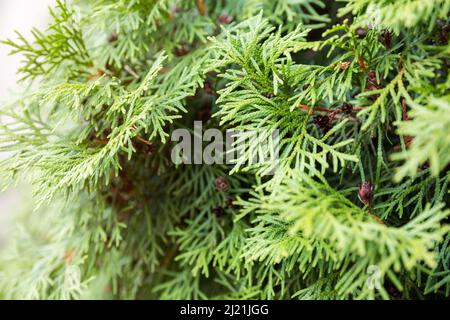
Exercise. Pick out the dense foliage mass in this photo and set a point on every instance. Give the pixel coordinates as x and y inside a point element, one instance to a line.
<point>357,206</point>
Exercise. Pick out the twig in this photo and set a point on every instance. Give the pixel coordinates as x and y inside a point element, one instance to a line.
<point>307,108</point>
<point>101,141</point>
<point>406,139</point>
<point>131,71</point>
<point>169,257</point>
<point>69,255</point>
<point>405,117</point>
<point>376,218</point>
<point>333,113</point>
<point>97,74</point>
<point>149,143</point>
<point>201,7</point>
<point>139,138</point>
<point>362,63</point>
<point>324,109</point>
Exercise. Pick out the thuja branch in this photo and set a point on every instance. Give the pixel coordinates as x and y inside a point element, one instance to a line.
<point>127,191</point>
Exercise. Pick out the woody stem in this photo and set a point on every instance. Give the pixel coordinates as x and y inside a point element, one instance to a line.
<point>324,109</point>
<point>201,7</point>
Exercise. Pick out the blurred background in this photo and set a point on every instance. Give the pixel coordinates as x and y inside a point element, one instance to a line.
<point>20,15</point>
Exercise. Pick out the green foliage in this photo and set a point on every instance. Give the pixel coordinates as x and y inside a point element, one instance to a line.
<point>60,51</point>
<point>431,142</point>
<point>357,90</point>
<point>244,104</point>
<point>398,14</point>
